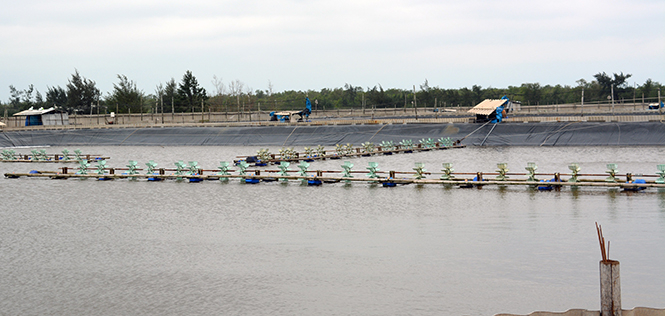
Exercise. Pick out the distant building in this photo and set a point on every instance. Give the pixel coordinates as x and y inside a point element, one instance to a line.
<point>50,116</point>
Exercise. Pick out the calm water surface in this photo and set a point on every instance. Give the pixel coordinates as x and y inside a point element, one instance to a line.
<point>86,247</point>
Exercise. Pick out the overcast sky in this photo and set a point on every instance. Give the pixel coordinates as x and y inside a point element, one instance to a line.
<point>303,45</point>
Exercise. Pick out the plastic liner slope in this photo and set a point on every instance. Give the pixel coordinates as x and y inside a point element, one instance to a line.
<point>503,134</point>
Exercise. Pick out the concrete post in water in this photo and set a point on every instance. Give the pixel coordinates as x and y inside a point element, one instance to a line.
<point>610,283</point>
<point>610,288</point>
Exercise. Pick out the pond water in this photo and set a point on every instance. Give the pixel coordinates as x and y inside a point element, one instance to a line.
<point>87,247</point>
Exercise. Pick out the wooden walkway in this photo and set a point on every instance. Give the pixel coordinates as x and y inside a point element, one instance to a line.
<point>392,178</point>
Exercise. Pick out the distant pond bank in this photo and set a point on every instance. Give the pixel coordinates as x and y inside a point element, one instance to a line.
<point>472,134</point>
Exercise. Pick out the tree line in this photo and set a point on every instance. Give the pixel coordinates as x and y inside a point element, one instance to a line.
<point>82,96</point>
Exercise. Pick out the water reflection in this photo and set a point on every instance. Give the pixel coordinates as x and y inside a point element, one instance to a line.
<point>533,193</point>
<point>502,190</point>
<point>661,198</point>
<point>612,202</point>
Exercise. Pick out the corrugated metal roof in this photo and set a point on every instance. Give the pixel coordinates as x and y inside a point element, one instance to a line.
<point>41,111</point>
<point>487,106</point>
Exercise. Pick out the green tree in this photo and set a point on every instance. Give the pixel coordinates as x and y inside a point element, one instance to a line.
<point>477,94</point>
<point>20,100</point>
<point>167,94</point>
<point>532,93</point>
<point>351,96</point>
<point>56,96</point>
<point>466,97</point>
<point>15,97</point>
<point>647,88</point>
<point>82,93</point>
<point>378,98</point>
<point>190,95</point>
<point>125,96</point>
<point>606,82</point>
<point>27,96</point>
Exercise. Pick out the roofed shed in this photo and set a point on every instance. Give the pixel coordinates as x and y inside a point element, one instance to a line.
<point>50,116</point>
<point>491,110</point>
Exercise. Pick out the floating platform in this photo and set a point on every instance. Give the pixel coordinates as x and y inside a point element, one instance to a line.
<point>11,156</point>
<point>54,160</point>
<point>317,178</point>
<point>356,152</point>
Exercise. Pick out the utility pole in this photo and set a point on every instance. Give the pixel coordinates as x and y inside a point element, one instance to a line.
<point>415,104</point>
<point>363,103</point>
<point>405,103</point>
<point>161,100</point>
<point>634,91</point>
<point>373,109</point>
<point>660,108</point>
<point>612,91</point>
<point>582,100</point>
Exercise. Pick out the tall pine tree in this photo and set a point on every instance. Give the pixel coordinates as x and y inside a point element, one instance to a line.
<point>190,95</point>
